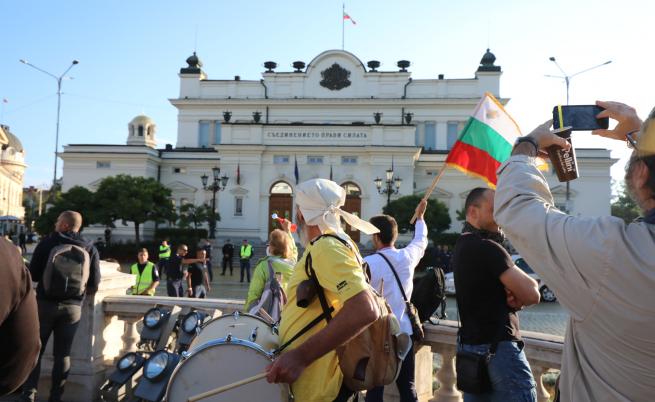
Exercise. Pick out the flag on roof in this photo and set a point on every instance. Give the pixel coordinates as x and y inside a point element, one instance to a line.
<point>348,17</point>
<point>486,141</point>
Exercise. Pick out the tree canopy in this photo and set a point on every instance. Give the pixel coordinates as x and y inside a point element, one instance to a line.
<point>78,199</point>
<point>192,216</point>
<point>436,216</point>
<point>625,207</point>
<point>133,199</point>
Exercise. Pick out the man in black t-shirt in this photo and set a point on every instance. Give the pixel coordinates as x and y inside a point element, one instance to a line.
<point>198,279</point>
<point>228,254</point>
<point>490,289</point>
<point>176,273</point>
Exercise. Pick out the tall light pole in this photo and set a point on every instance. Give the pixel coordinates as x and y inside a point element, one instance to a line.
<point>59,80</point>
<point>567,80</point>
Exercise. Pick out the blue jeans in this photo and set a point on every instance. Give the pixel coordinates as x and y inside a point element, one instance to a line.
<point>509,372</point>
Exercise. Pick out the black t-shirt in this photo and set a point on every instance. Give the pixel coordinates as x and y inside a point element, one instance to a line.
<point>155,272</point>
<point>228,250</point>
<point>196,271</point>
<point>485,317</point>
<point>174,268</point>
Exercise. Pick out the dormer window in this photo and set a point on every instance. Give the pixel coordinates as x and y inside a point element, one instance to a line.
<point>140,131</point>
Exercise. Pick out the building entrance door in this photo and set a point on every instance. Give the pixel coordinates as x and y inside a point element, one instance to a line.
<point>354,206</point>
<point>280,202</point>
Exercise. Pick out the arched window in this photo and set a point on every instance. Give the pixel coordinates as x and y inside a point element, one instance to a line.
<point>281,187</point>
<point>140,131</point>
<point>352,189</point>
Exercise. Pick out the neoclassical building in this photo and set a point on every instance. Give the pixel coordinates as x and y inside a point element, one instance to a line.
<point>334,117</point>
<point>12,170</point>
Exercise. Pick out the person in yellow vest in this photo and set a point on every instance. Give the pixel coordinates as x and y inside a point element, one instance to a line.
<point>164,253</point>
<point>245,254</point>
<point>147,275</point>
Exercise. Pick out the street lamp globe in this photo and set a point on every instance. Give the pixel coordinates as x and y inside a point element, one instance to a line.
<point>389,174</point>
<point>216,171</point>
<point>204,179</point>
<point>224,180</point>
<point>399,181</point>
<point>378,183</point>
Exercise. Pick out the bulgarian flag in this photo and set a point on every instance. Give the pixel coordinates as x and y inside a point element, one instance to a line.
<point>485,142</point>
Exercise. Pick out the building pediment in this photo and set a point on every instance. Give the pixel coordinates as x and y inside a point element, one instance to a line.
<point>179,187</point>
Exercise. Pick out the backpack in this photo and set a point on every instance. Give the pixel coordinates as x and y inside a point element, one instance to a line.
<point>430,293</point>
<point>272,298</point>
<point>374,357</point>
<point>66,272</point>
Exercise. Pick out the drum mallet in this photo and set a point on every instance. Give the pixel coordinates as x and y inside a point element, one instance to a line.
<point>227,387</point>
<point>266,316</point>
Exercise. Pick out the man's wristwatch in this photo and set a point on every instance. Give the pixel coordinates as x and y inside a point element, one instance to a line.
<point>530,140</point>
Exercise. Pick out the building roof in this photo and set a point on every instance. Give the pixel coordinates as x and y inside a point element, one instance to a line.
<point>142,119</point>
<point>13,141</point>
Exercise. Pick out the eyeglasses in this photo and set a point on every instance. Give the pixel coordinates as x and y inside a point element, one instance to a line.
<point>631,140</point>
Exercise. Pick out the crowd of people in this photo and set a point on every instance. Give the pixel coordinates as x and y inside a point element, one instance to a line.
<point>602,270</point>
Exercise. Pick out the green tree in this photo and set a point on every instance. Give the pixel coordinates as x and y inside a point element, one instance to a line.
<point>625,207</point>
<point>78,199</point>
<point>194,215</point>
<point>436,215</point>
<point>133,199</point>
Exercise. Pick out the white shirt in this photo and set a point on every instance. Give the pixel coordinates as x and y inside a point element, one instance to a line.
<point>404,261</point>
<point>602,271</point>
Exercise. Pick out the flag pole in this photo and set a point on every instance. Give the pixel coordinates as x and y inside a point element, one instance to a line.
<point>343,24</point>
<point>430,189</point>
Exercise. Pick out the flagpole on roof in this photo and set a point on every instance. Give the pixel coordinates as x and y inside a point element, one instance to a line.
<point>343,24</point>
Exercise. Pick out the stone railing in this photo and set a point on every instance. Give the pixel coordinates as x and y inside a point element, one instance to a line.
<point>130,310</point>
<point>108,329</point>
<point>542,350</point>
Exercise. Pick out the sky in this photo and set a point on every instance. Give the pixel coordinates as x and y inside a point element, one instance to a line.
<point>130,54</point>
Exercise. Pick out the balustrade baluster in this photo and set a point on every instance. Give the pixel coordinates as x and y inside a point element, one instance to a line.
<point>446,376</point>
<point>131,335</point>
<point>537,373</point>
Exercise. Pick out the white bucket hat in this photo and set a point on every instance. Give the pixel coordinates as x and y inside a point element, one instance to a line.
<point>320,202</point>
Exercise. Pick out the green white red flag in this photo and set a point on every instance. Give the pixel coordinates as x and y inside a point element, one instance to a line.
<point>486,141</point>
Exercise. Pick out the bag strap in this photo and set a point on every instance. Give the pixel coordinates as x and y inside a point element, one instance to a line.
<point>271,271</point>
<point>395,274</point>
<point>327,310</point>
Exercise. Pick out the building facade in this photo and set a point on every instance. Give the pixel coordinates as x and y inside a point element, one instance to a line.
<point>12,170</point>
<point>333,118</point>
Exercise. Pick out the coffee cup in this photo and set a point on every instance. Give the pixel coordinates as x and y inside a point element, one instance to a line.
<point>564,161</point>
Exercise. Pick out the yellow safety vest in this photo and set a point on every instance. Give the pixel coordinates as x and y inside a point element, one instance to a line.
<point>144,279</point>
<point>164,252</point>
<point>246,251</point>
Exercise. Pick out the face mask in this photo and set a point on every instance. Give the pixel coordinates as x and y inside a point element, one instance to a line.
<point>268,251</point>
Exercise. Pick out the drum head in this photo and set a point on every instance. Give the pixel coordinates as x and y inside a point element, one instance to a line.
<point>243,326</point>
<point>221,363</point>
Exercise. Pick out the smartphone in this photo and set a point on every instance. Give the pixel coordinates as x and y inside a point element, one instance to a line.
<point>580,117</point>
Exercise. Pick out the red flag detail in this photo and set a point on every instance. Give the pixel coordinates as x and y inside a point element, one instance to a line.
<point>348,17</point>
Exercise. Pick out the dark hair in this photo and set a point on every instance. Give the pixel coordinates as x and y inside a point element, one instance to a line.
<point>388,228</point>
<point>473,199</point>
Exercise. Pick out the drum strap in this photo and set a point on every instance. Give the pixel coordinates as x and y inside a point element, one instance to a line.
<point>327,310</point>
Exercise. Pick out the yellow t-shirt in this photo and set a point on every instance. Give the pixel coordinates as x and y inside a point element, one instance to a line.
<point>341,276</point>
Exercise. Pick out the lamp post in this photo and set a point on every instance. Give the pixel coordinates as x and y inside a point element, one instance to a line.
<point>59,80</point>
<point>567,81</point>
<point>218,183</point>
<point>391,184</point>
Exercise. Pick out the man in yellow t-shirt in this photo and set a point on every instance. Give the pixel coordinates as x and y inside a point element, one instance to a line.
<point>310,363</point>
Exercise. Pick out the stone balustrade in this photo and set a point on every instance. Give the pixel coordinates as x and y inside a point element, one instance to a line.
<point>542,350</point>
<point>109,329</point>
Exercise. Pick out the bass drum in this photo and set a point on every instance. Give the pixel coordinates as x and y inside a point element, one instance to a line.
<point>221,362</point>
<point>243,326</point>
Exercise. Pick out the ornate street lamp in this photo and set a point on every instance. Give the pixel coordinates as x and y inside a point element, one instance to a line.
<point>218,183</point>
<point>391,184</point>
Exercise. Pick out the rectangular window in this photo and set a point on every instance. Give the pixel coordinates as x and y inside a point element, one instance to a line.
<point>348,160</point>
<point>314,160</point>
<point>203,134</point>
<point>238,206</point>
<point>430,136</point>
<point>179,170</point>
<point>217,132</point>
<point>103,165</point>
<point>281,159</point>
<point>453,128</point>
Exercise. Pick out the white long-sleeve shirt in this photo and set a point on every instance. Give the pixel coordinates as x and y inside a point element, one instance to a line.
<point>404,260</point>
<point>602,271</point>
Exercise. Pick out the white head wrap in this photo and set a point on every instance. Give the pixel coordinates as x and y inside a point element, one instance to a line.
<point>320,200</point>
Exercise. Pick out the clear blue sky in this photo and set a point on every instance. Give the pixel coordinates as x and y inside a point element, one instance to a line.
<point>130,54</point>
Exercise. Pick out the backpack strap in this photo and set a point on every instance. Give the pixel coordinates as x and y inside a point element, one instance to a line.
<point>395,274</point>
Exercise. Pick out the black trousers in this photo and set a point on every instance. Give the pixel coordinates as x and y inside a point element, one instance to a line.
<point>245,268</point>
<point>345,395</point>
<point>405,382</point>
<point>61,320</point>
<point>226,261</point>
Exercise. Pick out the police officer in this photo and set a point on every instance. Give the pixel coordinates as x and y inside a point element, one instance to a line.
<point>147,275</point>
<point>245,254</point>
<point>164,253</point>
